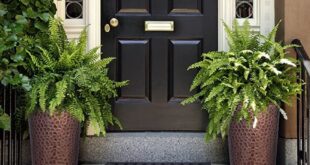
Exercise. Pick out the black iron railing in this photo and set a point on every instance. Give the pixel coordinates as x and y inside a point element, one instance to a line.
<point>11,141</point>
<point>303,100</point>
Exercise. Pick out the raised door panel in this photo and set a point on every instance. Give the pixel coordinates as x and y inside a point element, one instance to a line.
<point>182,54</point>
<point>186,6</point>
<point>133,6</point>
<point>134,65</point>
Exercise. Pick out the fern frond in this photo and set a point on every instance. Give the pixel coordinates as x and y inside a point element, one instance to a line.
<point>34,61</point>
<point>60,94</point>
<point>42,94</point>
<point>117,122</point>
<point>102,63</point>
<point>92,56</point>
<point>215,91</point>
<point>194,98</point>
<point>76,110</point>
<point>82,42</point>
<point>33,95</point>
<point>47,58</point>
<point>272,35</point>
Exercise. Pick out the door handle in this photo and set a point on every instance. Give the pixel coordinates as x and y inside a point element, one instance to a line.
<point>112,23</point>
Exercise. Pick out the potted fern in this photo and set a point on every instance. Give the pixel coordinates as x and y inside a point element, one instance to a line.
<point>70,89</point>
<point>242,91</point>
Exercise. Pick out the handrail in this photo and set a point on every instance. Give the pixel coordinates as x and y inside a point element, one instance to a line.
<point>303,100</point>
<point>302,54</point>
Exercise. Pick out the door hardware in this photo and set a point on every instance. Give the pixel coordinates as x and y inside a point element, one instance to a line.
<point>159,26</point>
<point>114,22</point>
<point>107,28</point>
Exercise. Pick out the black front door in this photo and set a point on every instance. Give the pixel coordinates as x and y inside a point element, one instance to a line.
<point>155,62</point>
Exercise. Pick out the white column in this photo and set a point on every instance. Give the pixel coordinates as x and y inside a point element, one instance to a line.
<point>226,13</point>
<point>267,17</point>
<point>61,8</point>
<point>93,20</point>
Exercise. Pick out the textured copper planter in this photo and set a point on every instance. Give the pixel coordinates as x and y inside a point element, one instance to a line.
<point>255,146</point>
<point>54,140</point>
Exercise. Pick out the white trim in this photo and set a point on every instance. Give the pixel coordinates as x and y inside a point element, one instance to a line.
<point>61,8</point>
<point>74,21</point>
<point>94,22</point>
<point>73,31</point>
<point>225,14</point>
<point>267,13</point>
<point>263,19</point>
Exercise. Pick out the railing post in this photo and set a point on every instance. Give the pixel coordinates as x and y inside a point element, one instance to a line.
<point>303,105</point>
<point>308,123</point>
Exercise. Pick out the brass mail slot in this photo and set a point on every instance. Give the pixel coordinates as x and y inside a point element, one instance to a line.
<point>159,26</point>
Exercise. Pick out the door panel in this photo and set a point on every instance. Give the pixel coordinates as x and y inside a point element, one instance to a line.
<point>186,6</point>
<point>182,54</point>
<point>134,67</point>
<point>133,6</point>
<point>155,63</point>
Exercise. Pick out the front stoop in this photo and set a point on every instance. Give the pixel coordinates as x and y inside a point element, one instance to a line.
<point>287,152</point>
<point>152,147</point>
<point>156,164</point>
<point>148,147</point>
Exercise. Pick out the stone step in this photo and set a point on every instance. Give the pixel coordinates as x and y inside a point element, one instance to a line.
<point>148,147</point>
<point>160,147</point>
<point>152,164</point>
<point>156,164</point>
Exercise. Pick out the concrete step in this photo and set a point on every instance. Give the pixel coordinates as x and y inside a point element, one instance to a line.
<point>177,147</point>
<point>152,164</point>
<point>156,164</point>
<point>160,147</point>
<point>148,147</point>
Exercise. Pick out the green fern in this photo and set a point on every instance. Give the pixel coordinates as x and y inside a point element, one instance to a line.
<point>253,73</point>
<point>64,80</point>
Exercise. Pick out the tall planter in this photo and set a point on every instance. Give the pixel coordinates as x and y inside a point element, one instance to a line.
<point>54,139</point>
<point>248,145</point>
